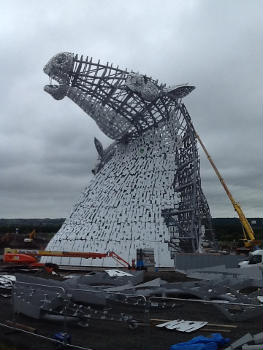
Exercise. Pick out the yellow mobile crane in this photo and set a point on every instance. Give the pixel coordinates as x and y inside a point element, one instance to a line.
<point>249,237</point>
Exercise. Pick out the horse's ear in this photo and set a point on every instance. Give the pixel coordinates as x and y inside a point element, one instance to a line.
<point>99,147</point>
<point>179,91</point>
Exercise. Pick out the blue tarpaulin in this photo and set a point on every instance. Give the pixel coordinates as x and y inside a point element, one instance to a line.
<point>202,343</point>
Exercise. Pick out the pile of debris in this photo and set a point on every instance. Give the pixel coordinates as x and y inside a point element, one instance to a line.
<point>248,342</point>
<point>93,295</point>
<point>124,297</point>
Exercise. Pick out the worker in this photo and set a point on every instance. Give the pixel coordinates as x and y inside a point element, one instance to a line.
<point>133,264</point>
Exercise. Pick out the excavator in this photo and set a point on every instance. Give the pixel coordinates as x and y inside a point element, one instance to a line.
<point>29,258</point>
<point>249,241</point>
<point>32,235</point>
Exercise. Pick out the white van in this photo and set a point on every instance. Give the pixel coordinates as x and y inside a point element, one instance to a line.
<point>255,259</point>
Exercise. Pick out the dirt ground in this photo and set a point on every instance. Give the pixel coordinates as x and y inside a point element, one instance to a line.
<point>102,335</point>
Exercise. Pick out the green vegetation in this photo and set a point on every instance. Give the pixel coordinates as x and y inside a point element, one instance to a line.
<point>46,226</point>
<point>226,229</point>
<point>230,229</point>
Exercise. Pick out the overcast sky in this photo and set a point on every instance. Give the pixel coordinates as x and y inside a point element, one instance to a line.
<point>46,146</point>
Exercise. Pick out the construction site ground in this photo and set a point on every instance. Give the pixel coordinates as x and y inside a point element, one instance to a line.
<point>100,335</point>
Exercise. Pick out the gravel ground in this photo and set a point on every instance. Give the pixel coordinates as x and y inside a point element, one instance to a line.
<point>102,335</point>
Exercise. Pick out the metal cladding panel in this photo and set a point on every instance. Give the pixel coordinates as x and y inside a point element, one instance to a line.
<point>121,209</point>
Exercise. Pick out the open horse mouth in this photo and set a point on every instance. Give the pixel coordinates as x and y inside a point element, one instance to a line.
<point>57,91</point>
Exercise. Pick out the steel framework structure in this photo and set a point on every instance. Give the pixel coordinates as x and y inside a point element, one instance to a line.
<point>191,214</point>
<point>126,105</point>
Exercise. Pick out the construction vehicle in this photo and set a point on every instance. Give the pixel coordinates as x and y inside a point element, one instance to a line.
<point>18,239</point>
<point>255,259</point>
<point>32,235</point>
<point>249,241</point>
<point>29,258</point>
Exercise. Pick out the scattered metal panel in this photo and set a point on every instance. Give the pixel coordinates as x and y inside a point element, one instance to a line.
<point>258,338</point>
<point>183,326</point>
<point>6,281</point>
<point>243,340</point>
<point>35,300</point>
<point>118,273</point>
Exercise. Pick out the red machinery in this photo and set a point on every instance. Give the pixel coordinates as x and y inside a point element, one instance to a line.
<point>30,257</point>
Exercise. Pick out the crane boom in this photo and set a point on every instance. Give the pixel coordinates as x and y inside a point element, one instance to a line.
<point>246,225</point>
<point>29,256</point>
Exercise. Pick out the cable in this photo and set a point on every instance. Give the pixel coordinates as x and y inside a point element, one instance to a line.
<point>44,337</point>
